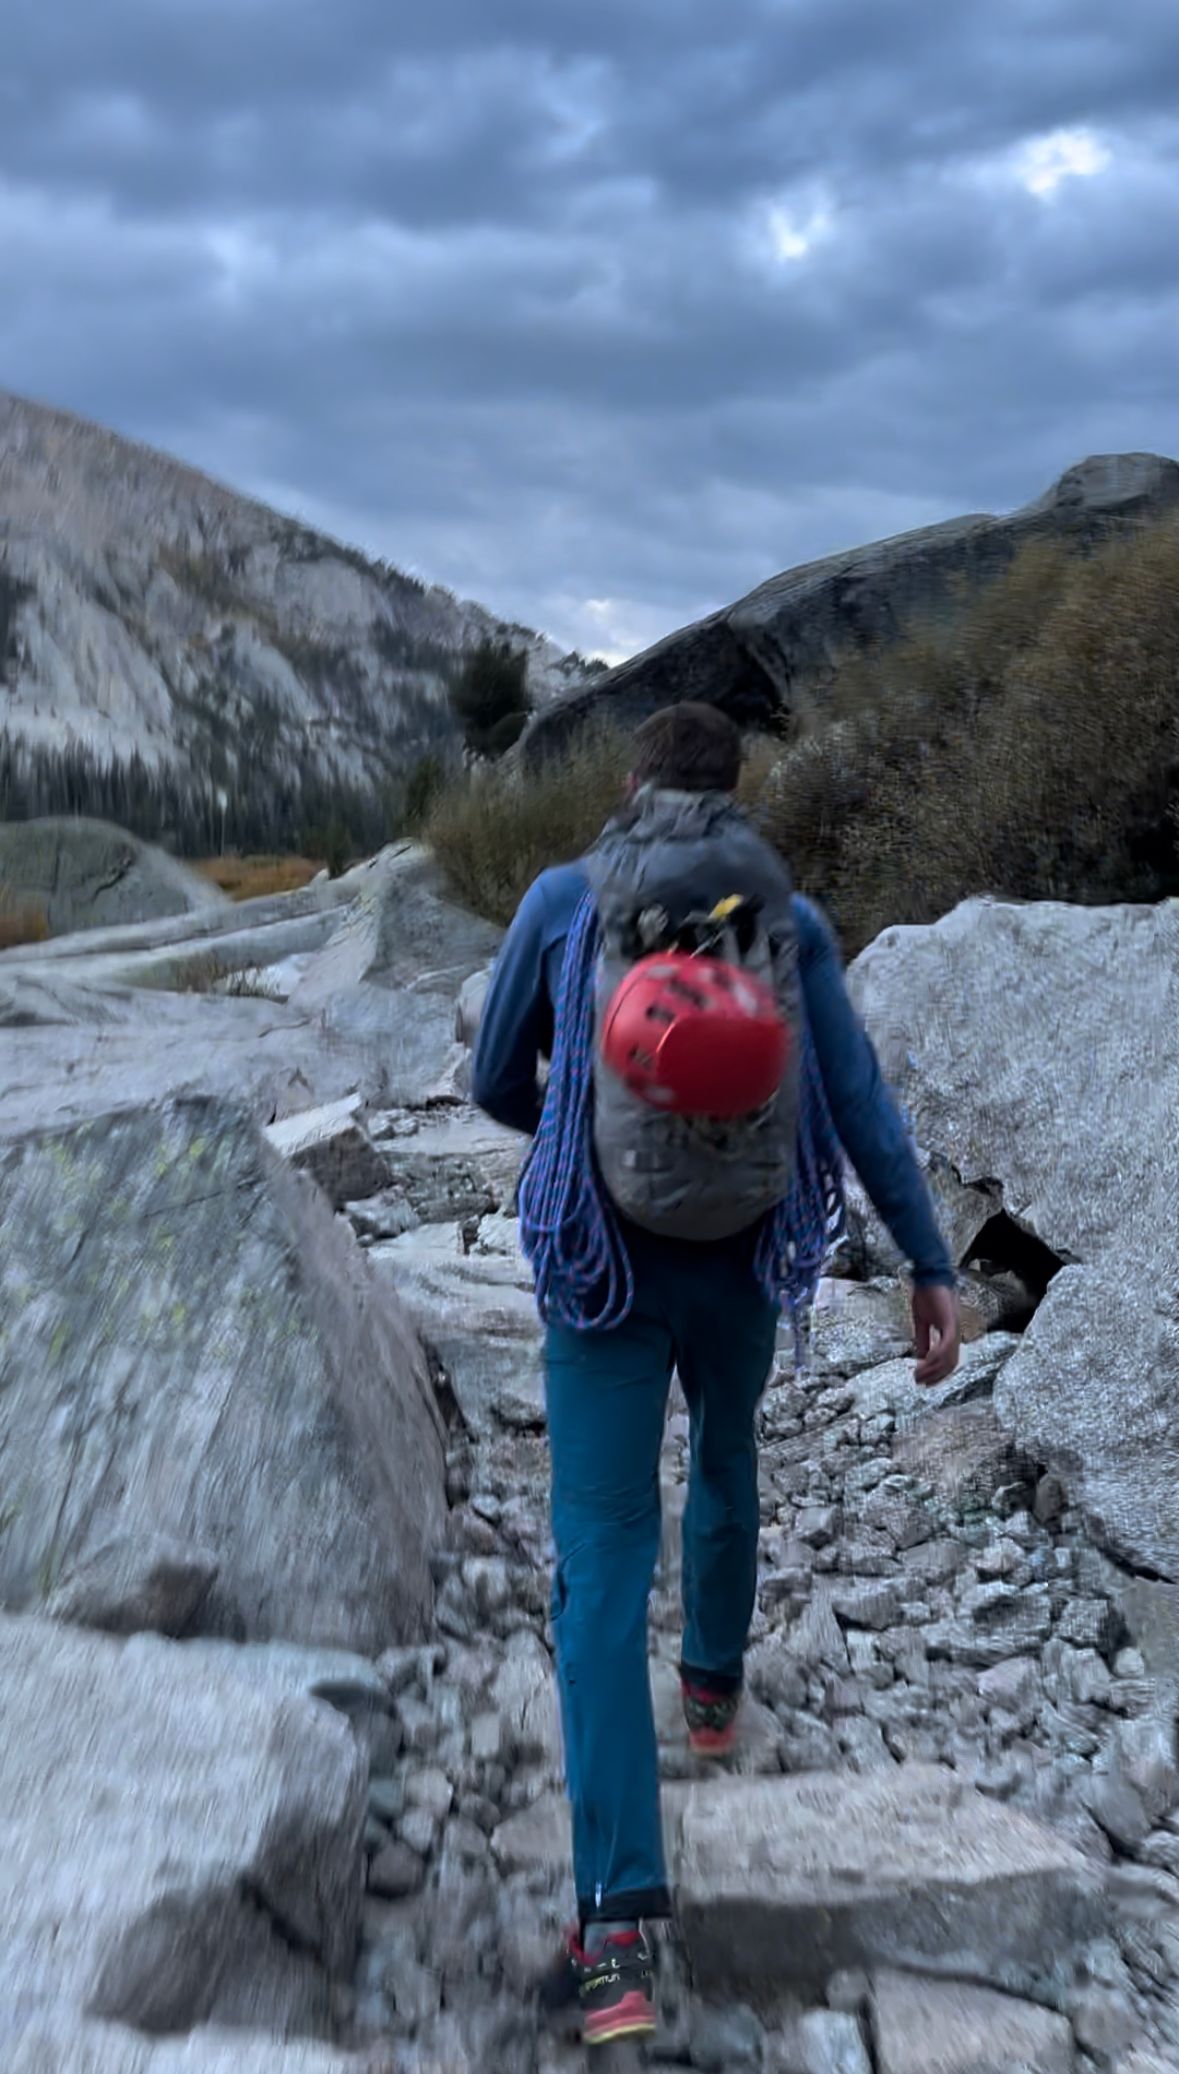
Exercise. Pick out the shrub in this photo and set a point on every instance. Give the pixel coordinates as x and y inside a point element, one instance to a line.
<point>1028,750</point>
<point>495,830</point>
<point>489,697</point>
<point>422,788</point>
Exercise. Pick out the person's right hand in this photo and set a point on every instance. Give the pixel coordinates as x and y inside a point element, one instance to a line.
<point>937,1326</point>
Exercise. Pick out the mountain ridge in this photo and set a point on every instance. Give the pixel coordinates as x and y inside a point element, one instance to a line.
<point>163,636</point>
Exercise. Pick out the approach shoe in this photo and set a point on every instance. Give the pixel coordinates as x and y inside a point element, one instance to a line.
<point>613,1986</point>
<point>711,1719</point>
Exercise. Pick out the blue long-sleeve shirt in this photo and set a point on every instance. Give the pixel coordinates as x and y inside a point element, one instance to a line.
<point>516,1031</point>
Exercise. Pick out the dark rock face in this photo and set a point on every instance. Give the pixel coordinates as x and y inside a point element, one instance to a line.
<point>773,653</point>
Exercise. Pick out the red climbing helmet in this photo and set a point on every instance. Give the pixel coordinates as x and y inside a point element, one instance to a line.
<point>695,1036</point>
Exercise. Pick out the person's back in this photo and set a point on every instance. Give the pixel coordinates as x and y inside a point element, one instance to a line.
<point>631,1294</point>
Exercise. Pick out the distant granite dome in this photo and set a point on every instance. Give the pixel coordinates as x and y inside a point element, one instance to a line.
<point>774,652</point>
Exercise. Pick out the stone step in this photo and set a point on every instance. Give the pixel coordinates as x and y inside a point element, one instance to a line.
<point>948,2027</point>
<point>784,1881</point>
<point>793,1879</point>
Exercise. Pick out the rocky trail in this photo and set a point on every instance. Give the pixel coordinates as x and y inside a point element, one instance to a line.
<point>280,1765</point>
<point>949,1810</point>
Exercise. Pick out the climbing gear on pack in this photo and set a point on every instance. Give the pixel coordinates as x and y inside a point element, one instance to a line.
<point>695,1036</point>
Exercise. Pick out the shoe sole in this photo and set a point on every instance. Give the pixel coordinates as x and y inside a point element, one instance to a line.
<point>633,2017</point>
<point>712,1742</point>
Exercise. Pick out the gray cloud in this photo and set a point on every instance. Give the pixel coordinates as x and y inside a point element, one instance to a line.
<point>600,312</point>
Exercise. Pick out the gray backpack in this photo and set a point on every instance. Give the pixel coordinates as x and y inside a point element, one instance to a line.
<point>663,873</point>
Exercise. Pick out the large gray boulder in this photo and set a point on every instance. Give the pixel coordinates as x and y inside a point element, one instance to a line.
<point>394,966</point>
<point>1033,1047</point>
<point>64,2045</point>
<point>89,875</point>
<point>77,1051</point>
<point>180,1847</point>
<point>191,1345</point>
<point>776,651</point>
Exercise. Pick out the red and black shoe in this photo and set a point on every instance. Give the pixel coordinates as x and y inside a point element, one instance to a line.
<point>614,1986</point>
<point>711,1718</point>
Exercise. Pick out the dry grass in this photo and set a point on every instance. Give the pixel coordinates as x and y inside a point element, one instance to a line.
<point>249,878</point>
<point>21,920</point>
<point>1031,751</point>
<point>496,830</point>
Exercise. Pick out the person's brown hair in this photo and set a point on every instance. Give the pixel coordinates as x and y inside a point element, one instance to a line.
<point>689,747</point>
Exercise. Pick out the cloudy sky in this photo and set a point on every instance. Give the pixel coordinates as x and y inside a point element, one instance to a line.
<point>600,310</point>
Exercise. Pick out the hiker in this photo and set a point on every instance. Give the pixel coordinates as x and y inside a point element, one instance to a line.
<point>708,1072</point>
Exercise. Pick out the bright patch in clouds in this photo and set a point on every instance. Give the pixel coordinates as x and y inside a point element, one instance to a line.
<point>1046,162</point>
<point>792,232</point>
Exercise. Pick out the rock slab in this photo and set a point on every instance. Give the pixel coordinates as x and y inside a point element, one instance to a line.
<point>90,2048</point>
<point>332,1145</point>
<point>178,1847</point>
<point>86,874</point>
<point>948,2027</point>
<point>192,1345</point>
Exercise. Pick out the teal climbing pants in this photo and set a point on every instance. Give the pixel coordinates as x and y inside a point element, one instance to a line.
<point>700,1311</point>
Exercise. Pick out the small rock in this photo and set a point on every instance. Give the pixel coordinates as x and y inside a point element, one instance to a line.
<point>774,1675</point>
<point>396,1872</point>
<point>1013,1685</point>
<point>1088,1624</point>
<point>830,2041</point>
<point>1146,1756</point>
<point>419,1829</point>
<point>432,1790</point>
<point>819,1524</point>
<point>1089,1678</point>
<point>937,1563</point>
<point>386,1799</point>
<point>465,1842</point>
<point>1104,2022</point>
<point>487,1738</point>
<point>724,2038</point>
<point>1050,1500</point>
<point>1114,1803</point>
<point>863,1745</point>
<point>848,1991</point>
<point>817,1638</point>
<point>414,1990</point>
<point>873,1606</point>
<point>419,1723</point>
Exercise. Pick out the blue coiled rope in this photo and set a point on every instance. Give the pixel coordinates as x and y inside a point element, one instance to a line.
<point>568,1229</point>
